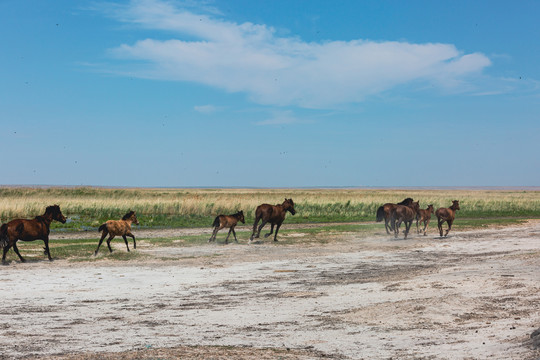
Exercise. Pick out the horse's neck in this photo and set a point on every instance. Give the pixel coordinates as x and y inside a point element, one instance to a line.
<point>45,219</point>
<point>128,222</point>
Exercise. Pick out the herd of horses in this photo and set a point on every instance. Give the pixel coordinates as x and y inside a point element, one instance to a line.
<point>392,214</point>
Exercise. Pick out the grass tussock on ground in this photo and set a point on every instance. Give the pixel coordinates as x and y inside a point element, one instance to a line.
<point>88,207</point>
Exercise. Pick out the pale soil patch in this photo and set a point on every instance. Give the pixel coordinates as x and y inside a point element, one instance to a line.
<point>474,295</point>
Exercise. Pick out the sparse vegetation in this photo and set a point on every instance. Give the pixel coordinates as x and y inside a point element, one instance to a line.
<point>88,207</point>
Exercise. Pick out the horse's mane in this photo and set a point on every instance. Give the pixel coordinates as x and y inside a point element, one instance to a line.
<point>52,209</point>
<point>128,215</point>
<point>407,201</point>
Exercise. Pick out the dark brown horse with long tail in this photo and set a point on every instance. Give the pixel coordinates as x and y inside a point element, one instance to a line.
<point>448,215</point>
<point>227,221</point>
<point>406,214</point>
<point>29,230</point>
<point>118,227</point>
<point>273,214</point>
<point>385,213</point>
<point>424,216</point>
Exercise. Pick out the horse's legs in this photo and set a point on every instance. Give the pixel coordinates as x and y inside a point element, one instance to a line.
<point>228,234</point>
<point>234,233</point>
<point>439,225</point>
<point>397,224</point>
<point>6,249</point>
<point>125,240</point>
<point>449,227</point>
<point>214,234</point>
<point>277,229</point>
<point>408,225</point>
<point>386,226</point>
<point>133,237</point>
<point>271,230</point>
<point>263,222</point>
<point>103,234</point>
<point>47,251</point>
<point>417,228</point>
<point>255,228</point>
<point>16,249</point>
<point>426,225</point>
<point>111,236</point>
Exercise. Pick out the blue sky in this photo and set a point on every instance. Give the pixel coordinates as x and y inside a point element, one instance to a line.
<point>269,93</point>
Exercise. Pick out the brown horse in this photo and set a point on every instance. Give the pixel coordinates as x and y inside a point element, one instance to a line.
<point>448,215</point>
<point>29,230</point>
<point>274,214</point>
<point>424,216</point>
<point>406,214</point>
<point>385,212</point>
<point>227,221</point>
<point>118,227</point>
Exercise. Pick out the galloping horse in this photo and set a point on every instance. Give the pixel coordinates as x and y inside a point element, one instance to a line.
<point>29,230</point>
<point>424,216</point>
<point>448,215</point>
<point>385,212</point>
<point>118,227</point>
<point>274,214</point>
<point>227,221</point>
<point>406,214</point>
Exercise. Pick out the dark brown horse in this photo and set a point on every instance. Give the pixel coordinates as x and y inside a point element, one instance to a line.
<point>118,227</point>
<point>385,213</point>
<point>29,230</point>
<point>448,215</point>
<point>227,221</point>
<point>273,214</point>
<point>406,214</point>
<point>424,216</point>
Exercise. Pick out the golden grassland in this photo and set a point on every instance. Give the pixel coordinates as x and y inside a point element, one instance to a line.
<point>163,207</point>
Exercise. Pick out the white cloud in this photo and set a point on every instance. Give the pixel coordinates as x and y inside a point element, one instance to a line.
<point>276,70</point>
<point>206,109</point>
<point>281,118</point>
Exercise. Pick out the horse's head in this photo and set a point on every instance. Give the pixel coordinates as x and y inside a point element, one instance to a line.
<point>288,205</point>
<point>240,215</point>
<point>131,217</point>
<point>455,205</point>
<point>430,208</point>
<point>415,206</point>
<point>56,213</point>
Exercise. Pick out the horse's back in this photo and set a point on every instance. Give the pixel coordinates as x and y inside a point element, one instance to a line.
<point>23,229</point>
<point>443,213</point>
<point>117,227</point>
<point>264,210</point>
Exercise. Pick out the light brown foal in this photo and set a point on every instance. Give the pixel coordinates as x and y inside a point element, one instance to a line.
<point>118,227</point>
<point>448,215</point>
<point>424,216</point>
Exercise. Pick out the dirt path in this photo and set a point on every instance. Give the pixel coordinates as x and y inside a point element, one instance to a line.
<point>473,295</point>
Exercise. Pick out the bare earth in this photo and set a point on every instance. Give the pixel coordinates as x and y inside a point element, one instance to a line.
<point>473,295</point>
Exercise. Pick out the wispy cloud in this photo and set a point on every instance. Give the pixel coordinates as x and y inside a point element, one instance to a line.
<point>206,109</point>
<point>281,118</point>
<point>276,70</point>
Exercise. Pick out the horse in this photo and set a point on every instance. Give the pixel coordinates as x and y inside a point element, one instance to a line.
<point>118,227</point>
<point>227,221</point>
<point>406,214</point>
<point>29,230</point>
<point>274,214</point>
<point>385,212</point>
<point>424,216</point>
<point>448,215</point>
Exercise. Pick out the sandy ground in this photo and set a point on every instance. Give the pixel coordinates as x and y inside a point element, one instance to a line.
<point>473,295</point>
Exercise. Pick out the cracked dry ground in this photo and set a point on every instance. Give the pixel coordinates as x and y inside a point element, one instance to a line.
<point>473,295</point>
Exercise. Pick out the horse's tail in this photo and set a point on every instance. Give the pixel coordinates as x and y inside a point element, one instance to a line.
<point>380,213</point>
<point>102,227</point>
<point>216,222</point>
<point>3,236</point>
